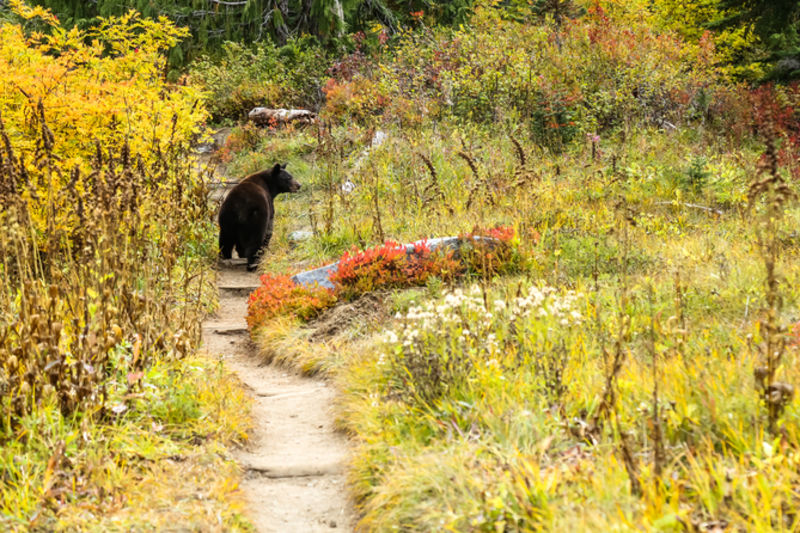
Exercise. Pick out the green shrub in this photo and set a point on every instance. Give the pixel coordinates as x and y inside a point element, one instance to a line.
<point>606,70</point>
<point>261,75</point>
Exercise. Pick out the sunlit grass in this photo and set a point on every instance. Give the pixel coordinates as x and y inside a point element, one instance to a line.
<point>160,464</point>
<point>524,446</point>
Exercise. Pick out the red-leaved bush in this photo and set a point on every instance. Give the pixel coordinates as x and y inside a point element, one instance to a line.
<point>279,295</point>
<point>504,234</point>
<point>775,115</point>
<point>389,265</point>
<point>482,252</point>
<point>489,251</point>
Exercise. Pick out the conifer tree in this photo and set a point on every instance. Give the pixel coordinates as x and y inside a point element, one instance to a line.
<point>776,23</point>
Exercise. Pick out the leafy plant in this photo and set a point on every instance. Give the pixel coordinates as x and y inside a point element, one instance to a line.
<point>105,277</point>
<point>386,266</point>
<point>279,295</point>
<point>90,221</point>
<point>239,77</point>
<point>391,265</point>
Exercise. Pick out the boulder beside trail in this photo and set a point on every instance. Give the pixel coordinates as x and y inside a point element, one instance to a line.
<point>299,236</point>
<point>319,276</point>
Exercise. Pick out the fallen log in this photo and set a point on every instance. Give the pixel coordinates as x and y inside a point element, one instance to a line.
<point>264,116</point>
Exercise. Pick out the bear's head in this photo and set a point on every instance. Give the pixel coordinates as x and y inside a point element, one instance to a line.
<point>281,181</point>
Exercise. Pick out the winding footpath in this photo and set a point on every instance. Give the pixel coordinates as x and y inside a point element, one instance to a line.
<point>294,462</point>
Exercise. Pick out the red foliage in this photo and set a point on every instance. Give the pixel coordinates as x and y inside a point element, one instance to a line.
<point>501,233</point>
<point>487,257</point>
<point>775,116</point>
<point>240,139</point>
<point>389,265</point>
<point>384,266</point>
<point>279,295</point>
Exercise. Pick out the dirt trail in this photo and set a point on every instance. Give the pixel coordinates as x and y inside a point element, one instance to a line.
<point>294,462</point>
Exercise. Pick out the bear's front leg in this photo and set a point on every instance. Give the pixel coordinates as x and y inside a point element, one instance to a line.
<point>267,238</point>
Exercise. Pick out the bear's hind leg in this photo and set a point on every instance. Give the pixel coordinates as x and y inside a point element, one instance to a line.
<point>262,247</point>
<point>225,245</point>
<point>253,254</point>
<point>250,236</point>
<point>249,246</point>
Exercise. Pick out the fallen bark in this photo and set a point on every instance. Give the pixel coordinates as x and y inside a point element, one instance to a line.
<point>263,116</point>
<point>694,206</point>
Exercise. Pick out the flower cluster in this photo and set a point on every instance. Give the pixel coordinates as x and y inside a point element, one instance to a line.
<point>546,302</point>
<point>472,309</point>
<point>441,342</point>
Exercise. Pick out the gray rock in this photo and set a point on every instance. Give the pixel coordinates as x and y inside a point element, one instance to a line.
<point>453,243</point>
<point>787,65</point>
<point>299,236</point>
<point>321,275</point>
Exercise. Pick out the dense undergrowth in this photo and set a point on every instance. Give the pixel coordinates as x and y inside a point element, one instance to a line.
<point>635,370</point>
<point>105,275</point>
<point>639,372</point>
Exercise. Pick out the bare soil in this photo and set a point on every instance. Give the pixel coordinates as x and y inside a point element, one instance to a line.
<point>294,462</point>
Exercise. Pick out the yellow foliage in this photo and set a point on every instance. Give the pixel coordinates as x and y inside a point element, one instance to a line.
<point>690,18</point>
<point>107,81</point>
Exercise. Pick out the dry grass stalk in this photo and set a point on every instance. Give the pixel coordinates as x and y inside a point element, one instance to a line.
<point>771,188</point>
<point>432,191</point>
<point>478,183</point>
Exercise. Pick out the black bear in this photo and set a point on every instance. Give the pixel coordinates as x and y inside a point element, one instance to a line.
<point>245,218</point>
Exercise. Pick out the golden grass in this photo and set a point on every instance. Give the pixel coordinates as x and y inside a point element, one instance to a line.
<point>497,451</point>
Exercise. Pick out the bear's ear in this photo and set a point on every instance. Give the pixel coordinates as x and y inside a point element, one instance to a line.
<point>276,168</point>
<point>283,166</point>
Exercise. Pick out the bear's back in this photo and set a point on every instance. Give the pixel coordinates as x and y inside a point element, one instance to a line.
<point>247,203</point>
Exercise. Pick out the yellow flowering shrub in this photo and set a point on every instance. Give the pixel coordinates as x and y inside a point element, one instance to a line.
<point>105,84</point>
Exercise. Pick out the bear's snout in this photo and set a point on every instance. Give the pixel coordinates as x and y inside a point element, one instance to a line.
<point>294,186</point>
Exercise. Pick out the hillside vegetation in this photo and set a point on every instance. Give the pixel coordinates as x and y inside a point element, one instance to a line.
<point>105,256</point>
<point>623,356</point>
<point>635,368</point>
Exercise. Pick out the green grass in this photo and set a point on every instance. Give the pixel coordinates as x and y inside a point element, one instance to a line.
<point>160,463</point>
<point>520,443</point>
<point>644,204</point>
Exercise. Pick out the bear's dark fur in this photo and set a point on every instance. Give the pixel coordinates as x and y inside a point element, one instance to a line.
<point>245,218</point>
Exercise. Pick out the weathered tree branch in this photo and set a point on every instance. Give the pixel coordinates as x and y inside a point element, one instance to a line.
<point>263,116</point>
